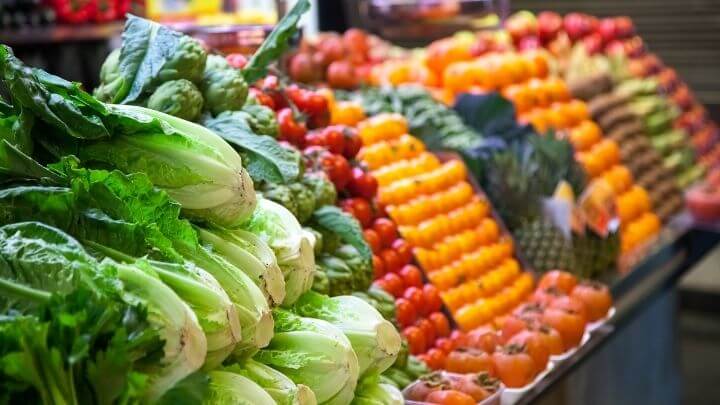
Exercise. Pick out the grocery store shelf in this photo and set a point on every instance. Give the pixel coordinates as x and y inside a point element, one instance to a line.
<point>60,33</point>
<point>682,245</point>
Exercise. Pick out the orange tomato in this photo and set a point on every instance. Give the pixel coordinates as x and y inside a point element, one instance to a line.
<point>382,127</point>
<point>443,52</point>
<point>346,113</point>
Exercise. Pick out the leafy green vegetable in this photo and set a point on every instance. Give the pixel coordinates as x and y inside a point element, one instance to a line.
<point>276,43</point>
<point>150,55</point>
<point>282,389</point>
<point>332,219</point>
<point>371,391</point>
<point>179,98</point>
<point>314,353</point>
<point>232,388</point>
<point>266,160</point>
<point>293,246</point>
<point>375,341</point>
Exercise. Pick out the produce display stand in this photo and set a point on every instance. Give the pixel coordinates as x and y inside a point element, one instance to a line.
<point>683,244</point>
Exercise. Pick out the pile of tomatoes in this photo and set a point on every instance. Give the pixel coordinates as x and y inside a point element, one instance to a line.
<point>517,347</point>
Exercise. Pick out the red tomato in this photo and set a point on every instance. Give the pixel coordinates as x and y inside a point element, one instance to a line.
<point>359,208</point>
<point>482,338</point>
<point>334,138</point>
<point>514,366</point>
<point>362,184</point>
<point>373,240</point>
<point>394,284</point>
<point>403,249</point>
<point>378,267</point>
<point>469,360</point>
<point>561,280</point>
<point>441,323</point>
<point>303,69</point>
<point>428,330</point>
<point>338,169</point>
<point>411,275</point>
<point>457,336</point>
<point>432,299</point>
<point>596,297</point>
<point>356,40</point>
<point>570,326</point>
<point>449,397</point>
<point>445,344</point>
<point>314,138</point>
<point>416,297</point>
<point>391,260</point>
<point>262,98</point>
<point>353,143</point>
<point>341,75</point>
<point>536,345</point>
<point>416,339</point>
<point>291,130</point>
<point>386,229</point>
<point>435,358</point>
<point>405,312</point>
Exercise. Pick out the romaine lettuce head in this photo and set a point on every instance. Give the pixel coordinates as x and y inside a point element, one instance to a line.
<point>232,388</point>
<point>372,392</point>
<point>251,254</point>
<point>375,340</point>
<point>313,353</point>
<point>283,390</point>
<point>292,245</point>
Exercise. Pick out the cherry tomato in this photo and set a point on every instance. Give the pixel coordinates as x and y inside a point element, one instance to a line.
<point>449,397</point>
<point>435,358</point>
<point>314,138</point>
<point>362,184</point>
<point>432,299</point>
<point>441,323</point>
<point>536,345</point>
<point>341,75</point>
<point>338,169</point>
<point>416,297</point>
<point>445,344</point>
<point>334,138</point>
<point>262,98</point>
<point>378,267</point>
<point>428,330</point>
<point>411,275</point>
<point>394,284</point>
<point>386,229</point>
<point>359,208</point>
<point>514,366</point>
<point>403,249</point>
<point>469,360</point>
<point>596,297</point>
<point>483,338</point>
<point>405,312</point>
<point>353,143</point>
<point>373,240</point>
<point>291,130</point>
<point>561,280</point>
<point>416,339</point>
<point>391,260</point>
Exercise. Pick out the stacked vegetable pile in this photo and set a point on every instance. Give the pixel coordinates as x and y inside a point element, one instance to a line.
<point>137,252</point>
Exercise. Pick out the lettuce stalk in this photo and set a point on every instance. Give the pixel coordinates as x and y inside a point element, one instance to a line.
<point>231,388</point>
<point>282,389</point>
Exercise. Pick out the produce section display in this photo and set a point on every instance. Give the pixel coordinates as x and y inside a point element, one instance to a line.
<point>346,222</point>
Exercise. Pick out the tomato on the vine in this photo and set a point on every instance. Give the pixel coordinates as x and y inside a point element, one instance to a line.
<point>362,184</point>
<point>416,339</point>
<point>405,312</point>
<point>403,249</point>
<point>373,240</point>
<point>386,229</point>
<point>334,138</point>
<point>411,275</point>
<point>391,260</point>
<point>441,323</point>
<point>291,130</point>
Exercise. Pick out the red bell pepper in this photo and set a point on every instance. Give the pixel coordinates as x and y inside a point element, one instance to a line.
<point>74,11</point>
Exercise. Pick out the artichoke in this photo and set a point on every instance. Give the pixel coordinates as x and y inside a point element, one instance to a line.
<point>179,98</point>
<point>322,188</point>
<point>224,90</point>
<point>304,201</point>
<point>187,62</point>
<point>261,119</point>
